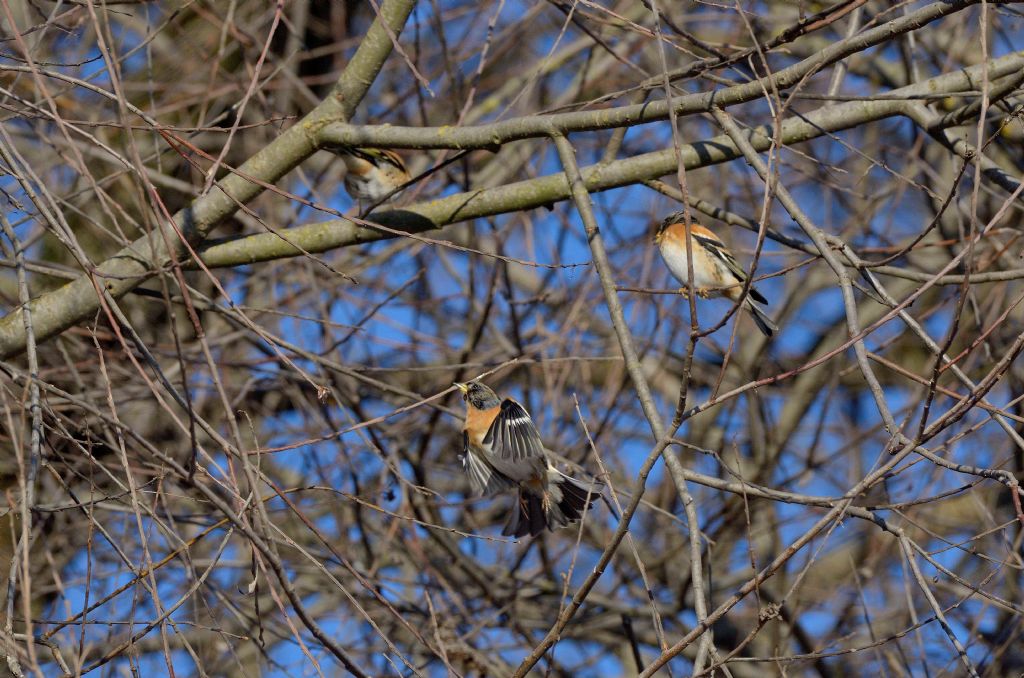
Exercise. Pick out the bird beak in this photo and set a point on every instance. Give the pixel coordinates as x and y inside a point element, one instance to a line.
<point>462,387</point>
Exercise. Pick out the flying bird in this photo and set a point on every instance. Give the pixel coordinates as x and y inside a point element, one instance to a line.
<point>502,451</point>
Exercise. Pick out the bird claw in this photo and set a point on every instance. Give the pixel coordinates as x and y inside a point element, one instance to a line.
<point>684,293</point>
<point>704,293</point>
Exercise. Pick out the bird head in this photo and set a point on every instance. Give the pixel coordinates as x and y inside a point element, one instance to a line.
<point>674,218</point>
<point>478,395</point>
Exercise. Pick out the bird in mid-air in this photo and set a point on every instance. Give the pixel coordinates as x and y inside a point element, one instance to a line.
<point>715,271</point>
<point>502,450</point>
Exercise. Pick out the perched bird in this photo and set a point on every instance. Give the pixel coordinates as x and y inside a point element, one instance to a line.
<point>372,173</point>
<point>503,451</point>
<point>713,266</point>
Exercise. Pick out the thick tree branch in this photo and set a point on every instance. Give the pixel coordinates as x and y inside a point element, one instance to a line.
<point>54,312</point>
<point>532,193</point>
<point>535,126</point>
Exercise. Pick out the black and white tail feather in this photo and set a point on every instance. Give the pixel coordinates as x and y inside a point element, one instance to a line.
<point>563,503</point>
<point>761,319</point>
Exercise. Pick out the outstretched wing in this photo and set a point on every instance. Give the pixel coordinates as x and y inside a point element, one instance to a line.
<point>512,436</point>
<point>485,479</point>
<point>715,248</point>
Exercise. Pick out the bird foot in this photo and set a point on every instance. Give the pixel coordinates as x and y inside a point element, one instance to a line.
<point>701,292</point>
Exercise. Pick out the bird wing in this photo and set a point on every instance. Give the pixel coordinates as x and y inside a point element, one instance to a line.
<point>716,248</point>
<point>512,435</point>
<point>374,156</point>
<point>485,479</point>
<point>391,157</point>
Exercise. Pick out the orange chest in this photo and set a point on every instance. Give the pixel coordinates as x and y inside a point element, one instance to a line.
<point>478,422</point>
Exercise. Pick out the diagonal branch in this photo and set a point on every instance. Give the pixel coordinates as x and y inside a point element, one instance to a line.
<point>56,311</point>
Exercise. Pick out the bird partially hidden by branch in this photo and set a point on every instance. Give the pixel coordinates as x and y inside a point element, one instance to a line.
<point>715,270</point>
<point>372,174</point>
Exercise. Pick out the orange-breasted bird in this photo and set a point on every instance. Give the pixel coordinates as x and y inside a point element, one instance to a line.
<point>371,173</point>
<point>502,451</point>
<point>715,270</point>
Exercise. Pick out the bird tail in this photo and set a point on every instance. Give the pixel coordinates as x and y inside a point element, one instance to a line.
<point>764,323</point>
<point>562,503</point>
